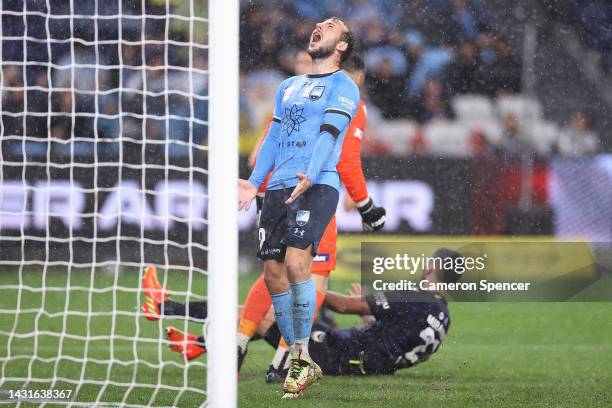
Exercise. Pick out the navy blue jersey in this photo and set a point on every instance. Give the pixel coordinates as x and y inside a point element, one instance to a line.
<point>307,108</point>
<point>409,327</point>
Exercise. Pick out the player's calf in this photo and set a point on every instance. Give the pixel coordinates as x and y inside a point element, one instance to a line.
<point>155,294</point>
<point>241,352</point>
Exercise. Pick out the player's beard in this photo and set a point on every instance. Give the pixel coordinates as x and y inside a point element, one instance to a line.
<point>321,53</point>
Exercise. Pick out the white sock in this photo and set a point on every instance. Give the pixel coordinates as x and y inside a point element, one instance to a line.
<point>243,341</point>
<point>281,358</point>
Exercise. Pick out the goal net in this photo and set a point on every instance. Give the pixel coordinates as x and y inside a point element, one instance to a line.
<point>104,169</point>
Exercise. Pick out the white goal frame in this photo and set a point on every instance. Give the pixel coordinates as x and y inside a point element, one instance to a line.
<point>30,243</point>
<point>221,381</point>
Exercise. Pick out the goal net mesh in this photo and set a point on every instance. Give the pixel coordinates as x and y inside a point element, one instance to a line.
<point>103,170</point>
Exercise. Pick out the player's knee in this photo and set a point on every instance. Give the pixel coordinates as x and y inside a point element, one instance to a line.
<point>272,274</point>
<point>297,270</point>
<point>271,278</point>
<point>275,277</point>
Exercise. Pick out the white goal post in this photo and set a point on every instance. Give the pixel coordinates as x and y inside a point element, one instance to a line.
<point>223,191</point>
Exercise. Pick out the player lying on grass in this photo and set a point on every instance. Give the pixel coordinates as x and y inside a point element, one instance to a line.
<point>302,148</point>
<point>258,302</point>
<point>403,328</point>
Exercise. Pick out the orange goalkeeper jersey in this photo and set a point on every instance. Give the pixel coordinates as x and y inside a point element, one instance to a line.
<point>349,166</point>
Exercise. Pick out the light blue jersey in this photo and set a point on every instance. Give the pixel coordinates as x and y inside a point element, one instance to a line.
<point>311,116</point>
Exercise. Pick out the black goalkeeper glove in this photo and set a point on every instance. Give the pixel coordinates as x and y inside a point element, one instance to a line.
<point>372,217</point>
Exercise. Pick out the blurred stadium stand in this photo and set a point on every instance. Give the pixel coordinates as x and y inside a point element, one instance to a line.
<point>473,49</point>
<point>90,87</point>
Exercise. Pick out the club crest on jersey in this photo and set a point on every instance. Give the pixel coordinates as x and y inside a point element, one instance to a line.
<point>302,217</point>
<point>316,92</point>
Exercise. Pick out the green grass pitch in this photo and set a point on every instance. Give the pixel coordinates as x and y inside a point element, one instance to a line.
<point>496,354</point>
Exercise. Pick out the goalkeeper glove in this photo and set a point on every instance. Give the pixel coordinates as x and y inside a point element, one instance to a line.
<point>372,217</point>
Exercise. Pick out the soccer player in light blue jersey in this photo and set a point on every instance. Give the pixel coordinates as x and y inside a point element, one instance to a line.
<point>311,116</point>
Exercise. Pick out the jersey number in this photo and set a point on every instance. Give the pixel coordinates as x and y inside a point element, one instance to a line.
<point>412,357</point>
<point>262,237</point>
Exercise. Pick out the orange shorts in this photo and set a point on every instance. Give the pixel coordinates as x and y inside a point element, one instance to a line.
<point>325,261</point>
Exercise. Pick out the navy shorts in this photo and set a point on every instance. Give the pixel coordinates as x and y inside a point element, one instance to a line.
<point>297,225</point>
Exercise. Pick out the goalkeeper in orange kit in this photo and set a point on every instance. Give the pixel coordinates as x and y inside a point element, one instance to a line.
<point>258,303</point>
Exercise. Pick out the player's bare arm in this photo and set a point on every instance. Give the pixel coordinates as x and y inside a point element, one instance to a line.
<point>347,304</point>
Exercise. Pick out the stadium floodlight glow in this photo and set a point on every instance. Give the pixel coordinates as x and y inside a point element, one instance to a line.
<point>105,167</point>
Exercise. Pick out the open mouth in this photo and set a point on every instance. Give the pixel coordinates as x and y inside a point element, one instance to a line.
<point>316,37</point>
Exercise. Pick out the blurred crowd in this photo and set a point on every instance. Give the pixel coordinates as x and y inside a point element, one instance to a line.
<point>420,55</point>
<point>86,79</point>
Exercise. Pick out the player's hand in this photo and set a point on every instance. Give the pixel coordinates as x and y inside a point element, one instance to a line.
<point>303,185</point>
<point>357,290</point>
<point>372,217</point>
<point>246,194</point>
<point>354,290</point>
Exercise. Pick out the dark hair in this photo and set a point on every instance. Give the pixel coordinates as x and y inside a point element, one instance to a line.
<point>448,275</point>
<point>349,39</point>
<point>354,64</point>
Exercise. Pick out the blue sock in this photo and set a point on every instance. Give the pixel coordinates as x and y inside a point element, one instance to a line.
<point>304,303</point>
<point>283,313</point>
